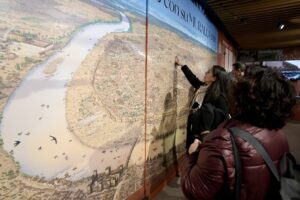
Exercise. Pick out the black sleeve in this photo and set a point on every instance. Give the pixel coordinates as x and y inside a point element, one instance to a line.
<point>194,81</point>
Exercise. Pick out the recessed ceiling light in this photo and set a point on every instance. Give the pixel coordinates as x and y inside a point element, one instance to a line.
<point>280,26</point>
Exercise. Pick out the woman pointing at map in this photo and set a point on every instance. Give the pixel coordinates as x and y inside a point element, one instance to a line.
<point>214,108</point>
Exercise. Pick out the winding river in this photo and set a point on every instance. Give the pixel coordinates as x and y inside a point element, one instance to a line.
<point>34,128</point>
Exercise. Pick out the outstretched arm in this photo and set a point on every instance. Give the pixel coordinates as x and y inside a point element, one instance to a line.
<point>191,77</point>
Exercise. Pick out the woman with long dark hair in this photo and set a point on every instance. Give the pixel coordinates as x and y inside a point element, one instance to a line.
<point>214,108</point>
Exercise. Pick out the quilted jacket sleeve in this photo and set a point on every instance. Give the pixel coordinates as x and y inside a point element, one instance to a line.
<point>202,175</point>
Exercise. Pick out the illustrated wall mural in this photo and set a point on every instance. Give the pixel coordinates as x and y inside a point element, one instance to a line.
<point>176,28</point>
<point>92,106</point>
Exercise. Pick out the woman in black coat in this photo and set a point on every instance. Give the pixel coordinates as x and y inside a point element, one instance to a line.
<point>214,109</point>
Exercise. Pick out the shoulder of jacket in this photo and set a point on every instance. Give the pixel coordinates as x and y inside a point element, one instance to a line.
<point>218,137</point>
<point>222,133</point>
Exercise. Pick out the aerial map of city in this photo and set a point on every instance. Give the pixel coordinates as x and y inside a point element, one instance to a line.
<point>76,94</point>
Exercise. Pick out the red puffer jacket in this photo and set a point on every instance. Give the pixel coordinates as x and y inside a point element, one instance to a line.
<point>210,174</point>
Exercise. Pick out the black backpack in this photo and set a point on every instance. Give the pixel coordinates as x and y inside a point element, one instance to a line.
<point>207,117</point>
<point>288,177</point>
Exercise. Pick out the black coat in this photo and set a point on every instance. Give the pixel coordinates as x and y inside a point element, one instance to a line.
<point>209,116</point>
<point>219,102</point>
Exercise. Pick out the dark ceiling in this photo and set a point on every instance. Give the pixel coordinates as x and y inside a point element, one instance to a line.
<point>253,24</point>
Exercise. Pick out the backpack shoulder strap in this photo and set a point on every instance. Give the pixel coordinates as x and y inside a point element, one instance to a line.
<point>249,138</point>
<point>238,167</point>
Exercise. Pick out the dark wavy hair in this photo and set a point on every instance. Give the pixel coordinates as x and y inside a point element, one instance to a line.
<point>264,98</point>
<point>220,86</point>
<point>239,66</point>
